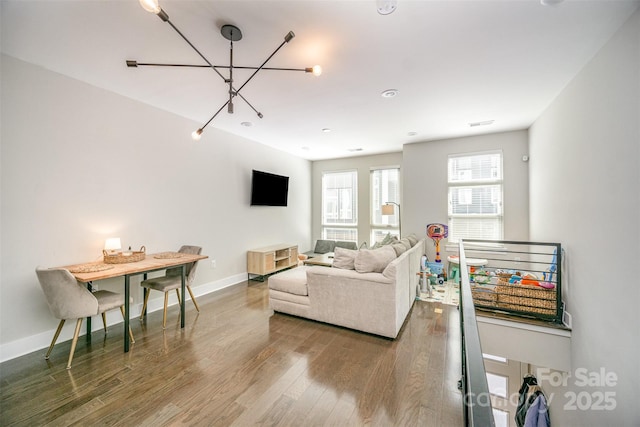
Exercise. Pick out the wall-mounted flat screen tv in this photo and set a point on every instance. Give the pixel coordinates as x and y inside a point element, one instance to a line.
<point>268,189</point>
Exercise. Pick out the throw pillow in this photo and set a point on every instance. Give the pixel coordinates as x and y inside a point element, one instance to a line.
<point>374,260</point>
<point>387,240</point>
<point>399,248</point>
<point>413,239</point>
<point>344,258</point>
<point>406,243</point>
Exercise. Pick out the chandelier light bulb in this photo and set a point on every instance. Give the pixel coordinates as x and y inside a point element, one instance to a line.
<point>196,135</point>
<point>317,70</point>
<point>150,6</point>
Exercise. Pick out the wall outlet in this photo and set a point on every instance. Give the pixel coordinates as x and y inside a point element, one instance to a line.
<point>213,263</point>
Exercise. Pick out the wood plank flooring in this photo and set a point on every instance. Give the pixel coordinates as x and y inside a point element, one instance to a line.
<point>237,363</point>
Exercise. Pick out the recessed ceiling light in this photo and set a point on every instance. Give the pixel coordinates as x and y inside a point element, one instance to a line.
<point>550,2</point>
<point>326,130</point>
<point>305,148</point>
<point>353,150</point>
<point>385,7</point>
<point>412,133</point>
<point>389,93</point>
<point>246,124</point>
<point>483,123</point>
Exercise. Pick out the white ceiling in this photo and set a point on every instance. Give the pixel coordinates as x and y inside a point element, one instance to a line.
<point>453,62</point>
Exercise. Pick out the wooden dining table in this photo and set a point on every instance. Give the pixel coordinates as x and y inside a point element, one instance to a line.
<point>91,272</point>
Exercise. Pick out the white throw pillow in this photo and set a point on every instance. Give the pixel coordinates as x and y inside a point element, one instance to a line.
<point>406,243</point>
<point>374,260</point>
<point>344,258</point>
<point>399,248</point>
<point>413,239</point>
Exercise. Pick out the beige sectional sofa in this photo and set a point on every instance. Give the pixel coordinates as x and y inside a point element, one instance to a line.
<point>375,301</point>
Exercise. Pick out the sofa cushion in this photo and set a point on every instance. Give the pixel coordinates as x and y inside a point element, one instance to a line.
<point>344,258</point>
<point>406,243</point>
<point>288,297</point>
<point>399,248</point>
<point>374,260</point>
<point>413,239</point>
<point>386,240</point>
<point>292,281</point>
<point>324,246</point>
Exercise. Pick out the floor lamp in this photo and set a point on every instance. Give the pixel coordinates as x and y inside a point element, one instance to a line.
<point>388,209</point>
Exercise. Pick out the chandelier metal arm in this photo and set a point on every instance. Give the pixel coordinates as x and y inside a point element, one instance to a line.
<point>232,90</point>
<point>196,49</point>
<point>231,33</point>
<point>134,63</point>
<point>287,38</point>
<point>249,104</point>
<point>215,114</point>
<point>222,107</point>
<point>210,65</point>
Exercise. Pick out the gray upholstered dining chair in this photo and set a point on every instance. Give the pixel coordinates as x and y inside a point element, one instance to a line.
<point>69,299</point>
<point>172,280</point>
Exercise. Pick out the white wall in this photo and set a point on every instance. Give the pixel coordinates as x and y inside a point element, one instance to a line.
<point>425,182</point>
<point>585,193</point>
<point>363,165</point>
<point>527,343</point>
<point>80,164</point>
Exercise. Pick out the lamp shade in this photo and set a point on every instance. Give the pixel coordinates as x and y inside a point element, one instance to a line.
<point>112,244</point>
<point>388,210</point>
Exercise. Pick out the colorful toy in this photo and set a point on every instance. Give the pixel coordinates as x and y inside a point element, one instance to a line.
<point>530,279</point>
<point>437,232</point>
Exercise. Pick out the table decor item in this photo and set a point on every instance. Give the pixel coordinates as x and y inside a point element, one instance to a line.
<point>90,268</point>
<point>124,257</point>
<point>169,255</point>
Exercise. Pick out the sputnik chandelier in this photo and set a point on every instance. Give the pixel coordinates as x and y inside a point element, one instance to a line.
<point>233,34</point>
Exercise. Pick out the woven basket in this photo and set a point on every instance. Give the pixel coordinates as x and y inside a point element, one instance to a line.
<point>119,258</point>
<point>526,298</point>
<point>483,296</point>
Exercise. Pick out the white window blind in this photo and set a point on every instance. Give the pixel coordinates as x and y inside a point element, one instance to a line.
<point>475,196</point>
<point>339,205</point>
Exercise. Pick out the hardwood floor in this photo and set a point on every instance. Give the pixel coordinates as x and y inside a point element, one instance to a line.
<point>237,363</point>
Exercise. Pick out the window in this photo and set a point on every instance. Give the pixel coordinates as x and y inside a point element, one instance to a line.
<point>339,206</point>
<point>475,196</point>
<point>385,187</point>
<point>497,384</point>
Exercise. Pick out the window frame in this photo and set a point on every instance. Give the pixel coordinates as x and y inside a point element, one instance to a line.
<point>490,184</point>
<point>329,227</point>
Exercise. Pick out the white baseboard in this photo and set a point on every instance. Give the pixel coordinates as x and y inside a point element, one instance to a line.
<point>29,344</point>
